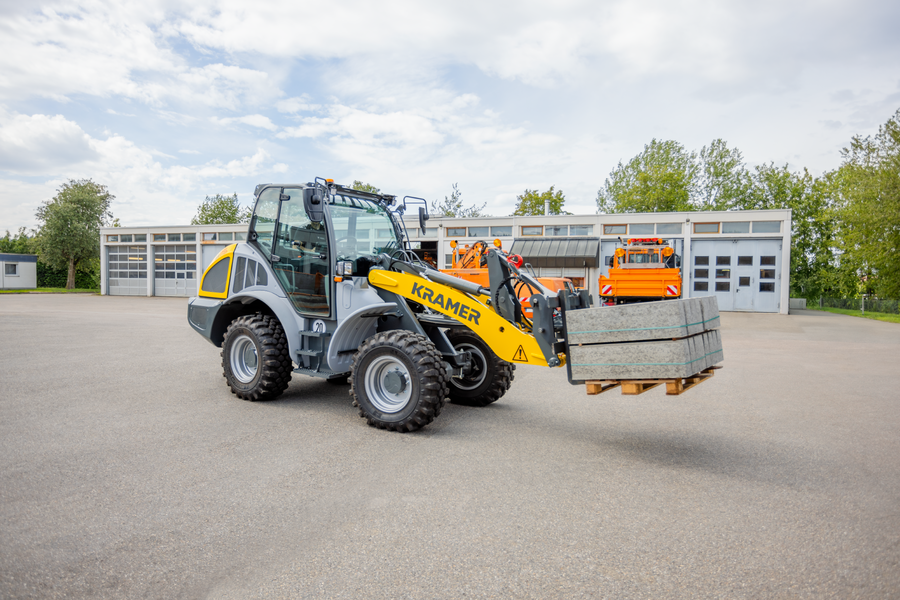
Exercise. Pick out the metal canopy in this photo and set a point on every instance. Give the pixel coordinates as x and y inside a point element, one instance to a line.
<point>574,252</point>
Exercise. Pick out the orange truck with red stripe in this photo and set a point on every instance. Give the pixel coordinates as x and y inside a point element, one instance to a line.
<point>645,269</point>
<point>470,263</point>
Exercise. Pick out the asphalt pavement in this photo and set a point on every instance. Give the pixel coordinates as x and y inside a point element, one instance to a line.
<point>128,470</point>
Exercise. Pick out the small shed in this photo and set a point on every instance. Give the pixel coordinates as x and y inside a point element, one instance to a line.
<point>18,271</point>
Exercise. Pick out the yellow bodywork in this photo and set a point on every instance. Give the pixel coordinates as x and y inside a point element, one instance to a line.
<point>505,339</point>
<point>227,253</point>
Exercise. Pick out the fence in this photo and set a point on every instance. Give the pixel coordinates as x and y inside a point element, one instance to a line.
<point>863,304</point>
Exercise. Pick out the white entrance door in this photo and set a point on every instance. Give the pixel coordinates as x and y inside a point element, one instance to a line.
<point>743,274</point>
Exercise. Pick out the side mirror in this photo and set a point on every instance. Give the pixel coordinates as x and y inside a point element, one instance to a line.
<point>314,204</point>
<point>423,216</point>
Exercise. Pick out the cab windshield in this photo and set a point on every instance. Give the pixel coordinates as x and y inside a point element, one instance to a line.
<point>362,228</point>
<point>645,257</point>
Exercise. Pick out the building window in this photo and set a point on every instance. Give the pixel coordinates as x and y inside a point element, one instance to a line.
<point>556,230</point>
<point>766,287</point>
<point>456,232</point>
<point>501,231</point>
<point>745,261</point>
<point>701,286</point>
<point>723,273</point>
<point>159,237</point>
<point>189,237</point>
<point>126,262</point>
<point>706,228</point>
<point>615,229</point>
<point>701,260</point>
<point>240,236</point>
<point>701,273</point>
<point>140,237</point>
<point>174,237</point>
<point>430,232</point>
<point>736,227</point>
<point>668,228</point>
<point>723,260</point>
<point>175,262</point>
<point>533,230</point>
<point>767,273</point>
<point>209,237</point>
<point>766,226</point>
<point>125,238</point>
<point>723,286</point>
<point>12,269</point>
<point>767,260</point>
<point>641,228</point>
<point>581,230</point>
<point>448,261</point>
<point>112,238</point>
<point>479,232</point>
<point>226,237</point>
<point>743,281</point>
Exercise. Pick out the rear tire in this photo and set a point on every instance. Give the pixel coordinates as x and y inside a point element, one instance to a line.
<point>256,362</point>
<point>490,376</point>
<point>398,381</point>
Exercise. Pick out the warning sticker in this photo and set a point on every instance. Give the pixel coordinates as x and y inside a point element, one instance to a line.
<point>520,355</point>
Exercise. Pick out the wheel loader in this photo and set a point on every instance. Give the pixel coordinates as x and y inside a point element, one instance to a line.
<point>327,285</point>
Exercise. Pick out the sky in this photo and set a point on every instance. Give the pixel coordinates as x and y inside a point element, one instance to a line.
<point>167,102</point>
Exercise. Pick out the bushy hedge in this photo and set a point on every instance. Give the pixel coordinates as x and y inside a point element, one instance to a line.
<point>56,278</point>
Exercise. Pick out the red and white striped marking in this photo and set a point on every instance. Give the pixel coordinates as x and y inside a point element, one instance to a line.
<point>671,290</point>
<point>607,289</point>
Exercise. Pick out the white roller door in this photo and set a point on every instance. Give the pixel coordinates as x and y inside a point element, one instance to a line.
<point>743,274</point>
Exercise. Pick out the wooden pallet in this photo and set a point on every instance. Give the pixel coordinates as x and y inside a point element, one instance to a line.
<point>634,387</point>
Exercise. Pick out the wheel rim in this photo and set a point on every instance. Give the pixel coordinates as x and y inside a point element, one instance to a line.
<point>244,359</point>
<point>476,376</point>
<point>388,384</point>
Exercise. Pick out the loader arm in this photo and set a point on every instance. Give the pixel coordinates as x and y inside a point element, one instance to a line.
<point>506,340</point>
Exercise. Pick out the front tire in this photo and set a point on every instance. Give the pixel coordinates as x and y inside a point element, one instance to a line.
<point>490,376</point>
<point>256,362</point>
<point>398,381</point>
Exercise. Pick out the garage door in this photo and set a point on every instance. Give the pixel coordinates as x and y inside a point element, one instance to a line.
<point>126,270</point>
<point>744,275</point>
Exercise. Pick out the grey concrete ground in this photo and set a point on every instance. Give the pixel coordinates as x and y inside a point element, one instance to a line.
<point>127,470</point>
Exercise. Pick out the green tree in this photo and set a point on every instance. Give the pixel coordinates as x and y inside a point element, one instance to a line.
<point>722,179</point>
<point>221,210</point>
<point>21,243</point>
<point>867,211</point>
<point>452,206</point>
<point>365,187</point>
<point>662,178</point>
<point>70,225</point>
<point>532,202</point>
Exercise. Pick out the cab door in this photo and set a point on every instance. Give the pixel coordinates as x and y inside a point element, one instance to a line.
<point>297,249</point>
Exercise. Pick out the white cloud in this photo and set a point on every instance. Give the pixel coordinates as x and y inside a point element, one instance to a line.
<point>34,144</point>
<point>260,121</point>
<point>296,104</point>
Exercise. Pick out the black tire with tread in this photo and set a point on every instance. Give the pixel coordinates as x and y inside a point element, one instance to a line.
<point>274,367</point>
<point>426,366</point>
<point>497,381</point>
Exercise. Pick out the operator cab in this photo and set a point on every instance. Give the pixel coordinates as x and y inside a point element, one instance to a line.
<point>306,255</point>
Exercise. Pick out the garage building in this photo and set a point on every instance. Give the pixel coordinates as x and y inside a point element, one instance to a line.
<point>741,257</point>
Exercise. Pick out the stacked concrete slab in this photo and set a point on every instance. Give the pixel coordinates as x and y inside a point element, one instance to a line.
<point>650,340</point>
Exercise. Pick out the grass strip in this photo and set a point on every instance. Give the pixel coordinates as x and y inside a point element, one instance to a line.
<point>51,291</point>
<point>857,313</point>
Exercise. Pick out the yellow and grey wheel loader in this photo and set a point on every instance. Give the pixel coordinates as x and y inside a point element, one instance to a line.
<point>327,285</point>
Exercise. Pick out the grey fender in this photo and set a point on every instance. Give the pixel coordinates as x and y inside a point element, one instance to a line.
<point>283,310</point>
<point>351,332</point>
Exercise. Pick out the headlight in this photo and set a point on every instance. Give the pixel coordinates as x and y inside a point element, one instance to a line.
<point>345,268</point>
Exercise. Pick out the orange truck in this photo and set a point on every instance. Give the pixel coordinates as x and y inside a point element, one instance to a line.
<point>470,263</point>
<point>644,269</point>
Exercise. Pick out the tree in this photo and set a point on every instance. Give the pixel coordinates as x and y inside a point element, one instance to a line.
<point>221,210</point>
<point>532,202</point>
<point>662,178</point>
<point>70,225</point>
<point>453,206</point>
<point>867,211</point>
<point>365,187</point>
<point>22,243</point>
<point>722,179</point>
